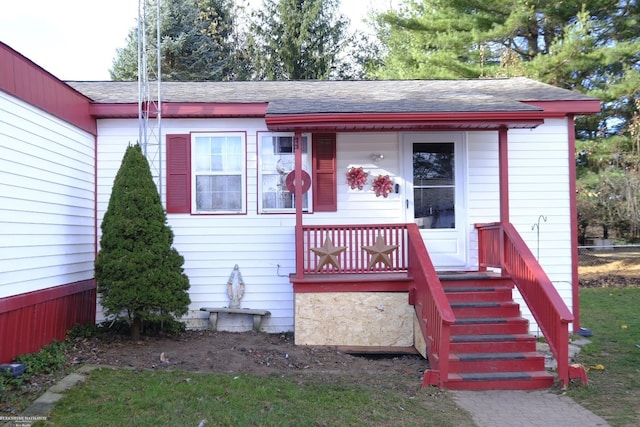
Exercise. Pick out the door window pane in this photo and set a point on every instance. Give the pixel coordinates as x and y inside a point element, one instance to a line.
<point>434,185</point>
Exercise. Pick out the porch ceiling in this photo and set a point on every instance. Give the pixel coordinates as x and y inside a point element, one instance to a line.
<point>399,122</point>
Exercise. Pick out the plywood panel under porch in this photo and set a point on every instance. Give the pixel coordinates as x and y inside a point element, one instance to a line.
<point>367,320</point>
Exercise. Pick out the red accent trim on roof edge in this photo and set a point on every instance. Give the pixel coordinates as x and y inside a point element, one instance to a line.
<point>27,81</point>
<point>568,107</point>
<point>226,109</point>
<point>181,110</point>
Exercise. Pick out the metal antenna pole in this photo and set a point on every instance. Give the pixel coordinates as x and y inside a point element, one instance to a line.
<point>149,106</point>
<point>159,115</point>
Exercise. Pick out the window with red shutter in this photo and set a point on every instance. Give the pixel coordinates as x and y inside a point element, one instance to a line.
<point>178,173</point>
<point>325,198</point>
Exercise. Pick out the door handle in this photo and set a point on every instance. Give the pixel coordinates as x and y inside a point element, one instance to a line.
<point>407,203</point>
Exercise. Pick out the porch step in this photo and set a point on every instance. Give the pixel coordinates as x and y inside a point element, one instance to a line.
<point>500,380</point>
<point>479,293</point>
<point>495,362</point>
<point>493,342</point>
<point>480,309</point>
<point>464,281</point>
<point>490,325</point>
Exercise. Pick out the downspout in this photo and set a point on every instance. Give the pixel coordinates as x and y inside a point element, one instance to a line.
<point>299,240</point>
<point>573,208</point>
<point>96,225</point>
<point>503,159</point>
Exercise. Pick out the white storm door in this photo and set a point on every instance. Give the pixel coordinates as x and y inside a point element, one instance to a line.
<point>435,195</point>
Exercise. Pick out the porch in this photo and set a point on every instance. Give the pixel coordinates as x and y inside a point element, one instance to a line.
<point>374,288</point>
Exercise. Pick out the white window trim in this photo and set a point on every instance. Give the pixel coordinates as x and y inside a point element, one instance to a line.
<point>242,173</point>
<point>307,168</point>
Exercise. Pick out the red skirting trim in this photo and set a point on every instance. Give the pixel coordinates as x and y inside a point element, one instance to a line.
<point>393,282</point>
<point>32,320</point>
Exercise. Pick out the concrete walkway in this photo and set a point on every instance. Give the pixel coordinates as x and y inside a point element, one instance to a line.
<point>539,408</point>
<point>506,408</point>
<point>42,406</point>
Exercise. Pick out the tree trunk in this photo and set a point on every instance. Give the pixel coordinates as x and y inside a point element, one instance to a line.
<point>136,327</point>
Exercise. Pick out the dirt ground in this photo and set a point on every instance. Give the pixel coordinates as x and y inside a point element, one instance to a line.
<point>229,353</point>
<point>245,352</point>
<point>261,353</point>
<point>609,269</point>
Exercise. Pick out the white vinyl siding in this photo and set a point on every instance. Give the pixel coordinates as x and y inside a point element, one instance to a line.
<point>362,206</point>
<point>46,200</point>
<point>539,186</point>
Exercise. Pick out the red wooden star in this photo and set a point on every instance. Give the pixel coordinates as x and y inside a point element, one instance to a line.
<point>328,254</point>
<point>380,252</point>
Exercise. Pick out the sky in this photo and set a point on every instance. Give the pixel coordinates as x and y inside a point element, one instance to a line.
<point>77,39</point>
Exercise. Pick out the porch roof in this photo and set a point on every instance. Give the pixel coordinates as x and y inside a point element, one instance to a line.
<point>352,105</point>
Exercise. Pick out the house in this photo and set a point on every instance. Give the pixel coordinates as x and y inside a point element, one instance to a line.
<point>270,176</point>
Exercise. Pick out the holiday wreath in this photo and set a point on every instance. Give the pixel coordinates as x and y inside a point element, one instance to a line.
<point>356,177</point>
<point>382,185</point>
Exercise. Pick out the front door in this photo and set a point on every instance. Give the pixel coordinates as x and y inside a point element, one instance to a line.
<point>435,194</point>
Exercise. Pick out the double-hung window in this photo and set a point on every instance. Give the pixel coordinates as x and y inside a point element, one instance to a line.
<point>276,163</point>
<point>219,173</point>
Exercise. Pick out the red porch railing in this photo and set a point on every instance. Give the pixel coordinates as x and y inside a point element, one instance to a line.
<point>500,246</point>
<point>435,315</point>
<point>354,259</point>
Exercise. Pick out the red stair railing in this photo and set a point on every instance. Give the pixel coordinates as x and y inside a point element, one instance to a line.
<point>500,246</point>
<point>434,313</point>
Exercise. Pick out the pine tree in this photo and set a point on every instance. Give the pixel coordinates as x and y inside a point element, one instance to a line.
<point>138,271</point>
<point>297,40</point>
<point>199,42</point>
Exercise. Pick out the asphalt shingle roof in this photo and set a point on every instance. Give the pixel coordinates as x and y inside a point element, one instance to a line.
<point>362,96</point>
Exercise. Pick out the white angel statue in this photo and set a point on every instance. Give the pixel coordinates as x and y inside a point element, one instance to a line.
<point>235,287</point>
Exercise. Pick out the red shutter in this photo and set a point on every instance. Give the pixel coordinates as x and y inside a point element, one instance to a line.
<point>325,198</point>
<point>178,173</point>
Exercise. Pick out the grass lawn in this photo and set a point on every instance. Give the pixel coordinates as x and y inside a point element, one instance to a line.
<point>119,397</point>
<point>613,314</point>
